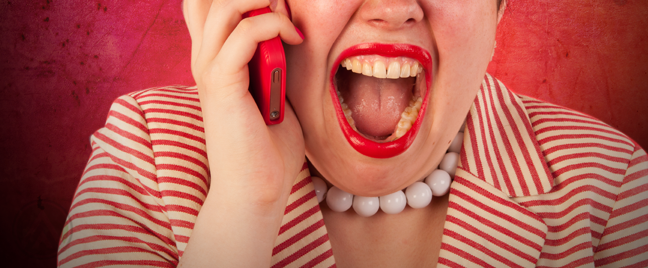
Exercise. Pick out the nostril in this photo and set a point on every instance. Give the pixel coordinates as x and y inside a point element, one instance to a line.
<point>410,21</point>
<point>379,22</point>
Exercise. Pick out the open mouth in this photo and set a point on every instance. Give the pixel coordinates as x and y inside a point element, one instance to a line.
<point>379,91</point>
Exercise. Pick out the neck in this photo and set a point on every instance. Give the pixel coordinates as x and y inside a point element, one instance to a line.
<point>385,240</point>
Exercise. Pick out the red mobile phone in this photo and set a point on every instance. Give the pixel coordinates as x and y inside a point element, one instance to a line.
<point>268,76</point>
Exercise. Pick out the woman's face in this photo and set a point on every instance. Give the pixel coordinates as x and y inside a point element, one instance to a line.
<point>453,42</point>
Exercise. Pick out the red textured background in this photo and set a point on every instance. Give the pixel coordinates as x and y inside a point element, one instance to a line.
<point>63,62</point>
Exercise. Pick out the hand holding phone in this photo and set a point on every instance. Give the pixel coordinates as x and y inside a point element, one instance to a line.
<point>244,154</point>
<point>268,76</point>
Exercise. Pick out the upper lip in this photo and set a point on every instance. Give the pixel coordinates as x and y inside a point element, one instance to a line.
<point>357,141</point>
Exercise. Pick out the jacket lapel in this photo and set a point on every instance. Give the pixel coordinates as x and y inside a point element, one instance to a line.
<point>500,160</point>
<point>485,227</point>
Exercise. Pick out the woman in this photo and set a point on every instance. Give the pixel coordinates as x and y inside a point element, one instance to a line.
<point>536,184</point>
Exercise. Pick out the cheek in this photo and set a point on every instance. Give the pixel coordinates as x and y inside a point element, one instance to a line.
<point>464,33</point>
<point>460,24</point>
<point>323,18</point>
<point>321,21</point>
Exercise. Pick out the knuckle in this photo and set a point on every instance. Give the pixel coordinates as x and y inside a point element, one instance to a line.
<point>221,4</point>
<point>281,17</point>
<point>208,74</point>
<point>246,25</point>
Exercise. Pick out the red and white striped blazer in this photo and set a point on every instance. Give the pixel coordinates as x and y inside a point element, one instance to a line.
<point>537,185</point>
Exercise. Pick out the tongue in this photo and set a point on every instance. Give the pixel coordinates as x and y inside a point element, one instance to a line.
<point>376,103</point>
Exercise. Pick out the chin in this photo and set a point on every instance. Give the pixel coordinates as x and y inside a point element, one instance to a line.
<point>380,177</point>
<point>366,176</point>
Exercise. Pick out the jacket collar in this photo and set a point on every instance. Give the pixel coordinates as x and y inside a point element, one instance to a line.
<point>501,161</point>
<point>500,145</point>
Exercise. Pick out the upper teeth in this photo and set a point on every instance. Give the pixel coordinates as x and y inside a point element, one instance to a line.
<point>373,65</point>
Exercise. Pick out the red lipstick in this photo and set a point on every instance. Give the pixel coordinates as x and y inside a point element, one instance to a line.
<point>358,142</point>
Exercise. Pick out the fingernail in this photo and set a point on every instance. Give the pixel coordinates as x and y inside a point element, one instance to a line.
<point>273,4</point>
<point>299,32</point>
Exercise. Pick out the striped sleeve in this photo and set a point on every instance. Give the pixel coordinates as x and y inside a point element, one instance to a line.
<point>116,219</point>
<point>625,239</point>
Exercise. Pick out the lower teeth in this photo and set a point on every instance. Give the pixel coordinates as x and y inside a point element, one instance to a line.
<point>408,117</point>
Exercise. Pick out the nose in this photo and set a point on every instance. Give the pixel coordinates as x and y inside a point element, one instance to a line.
<point>391,14</point>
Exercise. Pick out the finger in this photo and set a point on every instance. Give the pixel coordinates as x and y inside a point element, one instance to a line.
<point>239,48</point>
<point>195,13</point>
<point>281,7</point>
<point>223,17</point>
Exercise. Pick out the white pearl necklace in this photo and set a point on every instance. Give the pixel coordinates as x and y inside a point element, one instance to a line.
<point>417,195</point>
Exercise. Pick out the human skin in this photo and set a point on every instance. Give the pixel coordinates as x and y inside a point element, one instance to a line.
<point>253,165</point>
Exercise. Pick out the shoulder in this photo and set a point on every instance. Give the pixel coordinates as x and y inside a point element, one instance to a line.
<point>600,178</point>
<point>553,123</point>
<point>572,140</point>
<point>580,150</point>
<point>177,140</point>
<point>172,101</point>
<point>145,109</point>
<point>173,119</point>
<point>174,122</point>
<point>156,135</point>
<point>167,116</point>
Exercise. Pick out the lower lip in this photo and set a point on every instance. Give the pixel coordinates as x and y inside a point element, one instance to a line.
<point>358,142</point>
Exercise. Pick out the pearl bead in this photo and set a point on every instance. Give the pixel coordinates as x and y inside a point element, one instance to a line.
<point>449,163</point>
<point>455,146</point>
<point>366,206</point>
<point>320,188</point>
<point>338,200</point>
<point>439,182</point>
<point>418,195</point>
<point>393,203</point>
